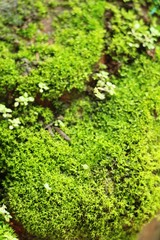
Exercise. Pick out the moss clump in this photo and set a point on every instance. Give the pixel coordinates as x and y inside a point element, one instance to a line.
<point>59,188</point>
<point>105,183</point>
<point>130,30</point>
<point>62,56</point>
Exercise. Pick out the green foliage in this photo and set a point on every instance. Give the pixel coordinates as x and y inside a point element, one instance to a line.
<point>103,86</point>
<point>9,75</point>
<point>58,188</point>
<point>63,65</point>
<point>105,183</point>
<point>16,12</point>
<point>155,9</point>
<point>32,116</point>
<point>6,112</point>
<point>29,31</point>
<point>6,232</point>
<point>128,34</point>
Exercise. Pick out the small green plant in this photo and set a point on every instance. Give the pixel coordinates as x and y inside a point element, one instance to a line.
<point>127,33</point>
<point>5,213</point>
<point>145,38</point>
<point>6,112</point>
<point>47,187</point>
<point>42,87</point>
<point>103,86</point>
<point>14,123</point>
<point>23,100</point>
<point>59,123</point>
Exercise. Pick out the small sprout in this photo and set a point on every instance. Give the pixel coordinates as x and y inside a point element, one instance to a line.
<point>14,123</point>
<point>23,100</point>
<point>146,37</point>
<point>3,210</point>
<point>102,75</point>
<point>5,111</point>
<point>47,187</point>
<point>43,87</point>
<point>103,85</point>
<point>98,94</point>
<point>59,123</point>
<point>85,166</point>
<point>5,213</point>
<point>16,104</point>
<point>110,88</point>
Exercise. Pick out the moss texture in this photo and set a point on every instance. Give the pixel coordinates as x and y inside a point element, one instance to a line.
<point>58,48</point>
<point>103,182</point>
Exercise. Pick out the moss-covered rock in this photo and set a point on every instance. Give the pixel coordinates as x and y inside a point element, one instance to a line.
<point>105,183</point>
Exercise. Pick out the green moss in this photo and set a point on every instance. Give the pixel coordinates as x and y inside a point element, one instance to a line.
<point>64,64</point>
<point>129,32</point>
<point>72,190</point>
<point>15,13</point>
<point>9,74</point>
<point>105,183</point>
<point>6,232</point>
<point>29,31</point>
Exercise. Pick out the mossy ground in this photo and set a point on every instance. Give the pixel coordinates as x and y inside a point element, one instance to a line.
<point>94,173</point>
